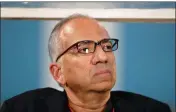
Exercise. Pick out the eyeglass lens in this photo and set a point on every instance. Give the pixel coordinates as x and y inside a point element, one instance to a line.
<point>89,46</point>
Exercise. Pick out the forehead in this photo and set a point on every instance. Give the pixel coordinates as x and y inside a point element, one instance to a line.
<point>82,29</point>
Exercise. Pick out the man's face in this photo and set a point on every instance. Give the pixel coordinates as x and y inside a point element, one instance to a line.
<point>87,72</point>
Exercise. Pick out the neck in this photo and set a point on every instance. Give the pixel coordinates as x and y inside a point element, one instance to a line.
<point>91,101</point>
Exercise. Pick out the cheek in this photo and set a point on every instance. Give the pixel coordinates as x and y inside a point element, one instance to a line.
<point>113,64</point>
<point>76,70</point>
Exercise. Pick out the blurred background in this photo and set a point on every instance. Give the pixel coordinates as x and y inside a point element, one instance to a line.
<point>145,58</point>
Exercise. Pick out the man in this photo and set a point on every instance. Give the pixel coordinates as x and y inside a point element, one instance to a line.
<point>83,63</point>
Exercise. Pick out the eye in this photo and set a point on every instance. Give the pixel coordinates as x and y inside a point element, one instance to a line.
<point>83,50</point>
<point>107,46</point>
<point>86,47</point>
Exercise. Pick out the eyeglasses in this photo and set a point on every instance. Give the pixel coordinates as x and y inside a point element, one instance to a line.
<point>89,46</point>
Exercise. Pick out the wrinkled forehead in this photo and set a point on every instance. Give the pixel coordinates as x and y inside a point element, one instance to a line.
<point>82,29</point>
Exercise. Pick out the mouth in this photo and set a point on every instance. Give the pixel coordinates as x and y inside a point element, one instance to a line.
<point>103,72</point>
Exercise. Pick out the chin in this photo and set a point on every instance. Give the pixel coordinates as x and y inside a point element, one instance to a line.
<point>103,86</point>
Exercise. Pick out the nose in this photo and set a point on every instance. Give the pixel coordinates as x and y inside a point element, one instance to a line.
<point>99,56</point>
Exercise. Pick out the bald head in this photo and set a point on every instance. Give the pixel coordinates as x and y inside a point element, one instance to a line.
<point>72,26</point>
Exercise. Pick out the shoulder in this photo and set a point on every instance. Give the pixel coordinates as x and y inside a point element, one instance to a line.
<point>132,97</point>
<point>139,101</point>
<point>42,93</point>
<point>31,98</point>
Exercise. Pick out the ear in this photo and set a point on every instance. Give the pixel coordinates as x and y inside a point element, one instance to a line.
<point>55,70</point>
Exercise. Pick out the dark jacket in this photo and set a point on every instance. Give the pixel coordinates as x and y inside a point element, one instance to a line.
<point>52,100</point>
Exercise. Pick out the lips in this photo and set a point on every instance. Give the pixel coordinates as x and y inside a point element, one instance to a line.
<point>101,72</point>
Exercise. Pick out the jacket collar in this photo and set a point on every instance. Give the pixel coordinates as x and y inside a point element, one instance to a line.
<point>58,102</point>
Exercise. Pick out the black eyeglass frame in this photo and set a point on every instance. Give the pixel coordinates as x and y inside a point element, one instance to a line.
<point>96,43</point>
